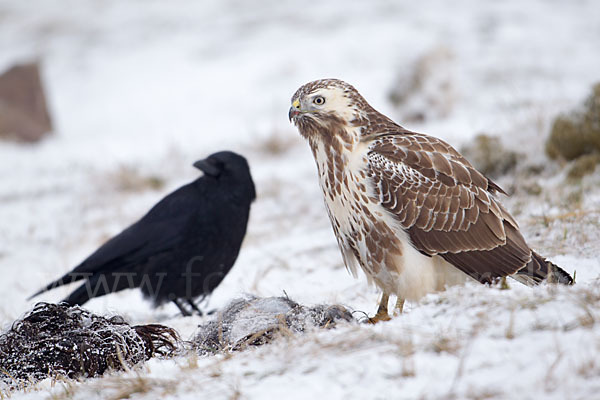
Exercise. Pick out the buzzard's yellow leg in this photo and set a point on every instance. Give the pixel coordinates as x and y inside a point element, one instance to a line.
<point>399,306</point>
<point>382,310</point>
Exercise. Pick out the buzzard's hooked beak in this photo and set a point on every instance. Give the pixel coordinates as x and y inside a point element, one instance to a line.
<point>294,110</point>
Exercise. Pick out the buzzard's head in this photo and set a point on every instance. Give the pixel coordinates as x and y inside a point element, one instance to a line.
<point>327,106</point>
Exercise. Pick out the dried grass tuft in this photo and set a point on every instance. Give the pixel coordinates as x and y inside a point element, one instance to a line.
<point>129,179</point>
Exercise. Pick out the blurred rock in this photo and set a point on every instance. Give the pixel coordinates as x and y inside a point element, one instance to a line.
<point>489,156</point>
<point>578,133</point>
<point>426,89</point>
<point>255,321</point>
<point>23,111</point>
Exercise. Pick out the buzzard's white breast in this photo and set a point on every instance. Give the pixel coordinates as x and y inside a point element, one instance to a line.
<point>356,213</point>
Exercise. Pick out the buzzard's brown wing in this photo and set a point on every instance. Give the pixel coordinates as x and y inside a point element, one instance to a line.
<point>445,205</point>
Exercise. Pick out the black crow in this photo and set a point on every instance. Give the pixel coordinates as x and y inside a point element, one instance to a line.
<point>182,248</point>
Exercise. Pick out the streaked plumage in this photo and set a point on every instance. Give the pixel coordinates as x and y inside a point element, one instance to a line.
<point>406,207</point>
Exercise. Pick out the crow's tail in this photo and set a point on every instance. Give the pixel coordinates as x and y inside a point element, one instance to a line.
<point>65,280</point>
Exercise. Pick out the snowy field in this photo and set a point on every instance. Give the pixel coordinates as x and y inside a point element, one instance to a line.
<point>139,90</point>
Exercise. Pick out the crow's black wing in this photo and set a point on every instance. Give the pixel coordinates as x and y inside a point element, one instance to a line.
<point>160,229</point>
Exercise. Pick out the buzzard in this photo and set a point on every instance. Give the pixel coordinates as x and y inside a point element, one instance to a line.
<point>406,207</point>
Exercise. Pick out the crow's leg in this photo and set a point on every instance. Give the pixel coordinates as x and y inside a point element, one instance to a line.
<point>184,312</point>
<point>195,307</point>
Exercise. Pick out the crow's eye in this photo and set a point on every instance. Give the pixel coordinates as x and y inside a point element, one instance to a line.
<point>319,100</point>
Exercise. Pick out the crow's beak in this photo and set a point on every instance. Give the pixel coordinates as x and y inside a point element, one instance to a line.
<point>208,167</point>
<point>294,110</point>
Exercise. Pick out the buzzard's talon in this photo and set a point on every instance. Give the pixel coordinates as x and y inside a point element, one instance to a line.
<point>382,311</point>
<point>379,317</point>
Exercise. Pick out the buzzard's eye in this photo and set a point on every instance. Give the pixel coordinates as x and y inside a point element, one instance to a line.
<point>319,100</point>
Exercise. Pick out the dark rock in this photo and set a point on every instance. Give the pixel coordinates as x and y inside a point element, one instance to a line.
<point>24,114</point>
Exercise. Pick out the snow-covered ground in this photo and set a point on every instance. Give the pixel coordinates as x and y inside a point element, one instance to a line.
<point>141,89</point>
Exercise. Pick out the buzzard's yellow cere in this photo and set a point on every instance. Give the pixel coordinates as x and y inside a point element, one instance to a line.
<point>405,207</point>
